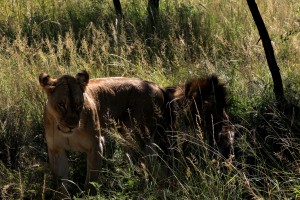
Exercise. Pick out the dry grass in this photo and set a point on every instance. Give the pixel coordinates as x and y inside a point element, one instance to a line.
<point>192,39</point>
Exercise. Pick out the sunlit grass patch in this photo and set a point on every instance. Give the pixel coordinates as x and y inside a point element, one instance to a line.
<point>192,39</point>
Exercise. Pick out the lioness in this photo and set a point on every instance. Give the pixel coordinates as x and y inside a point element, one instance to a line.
<point>78,108</point>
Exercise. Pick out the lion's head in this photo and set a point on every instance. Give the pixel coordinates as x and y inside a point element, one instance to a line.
<point>203,102</point>
<point>65,99</point>
<point>208,99</point>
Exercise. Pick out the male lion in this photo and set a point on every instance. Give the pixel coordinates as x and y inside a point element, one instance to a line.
<point>202,103</point>
<point>78,110</point>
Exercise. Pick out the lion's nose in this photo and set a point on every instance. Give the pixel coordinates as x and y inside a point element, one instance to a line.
<point>73,126</point>
<point>68,127</point>
<point>64,129</point>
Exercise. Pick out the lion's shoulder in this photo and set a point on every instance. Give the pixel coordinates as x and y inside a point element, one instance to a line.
<point>122,84</point>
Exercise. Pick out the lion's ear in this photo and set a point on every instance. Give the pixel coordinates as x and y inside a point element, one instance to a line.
<point>46,82</point>
<point>83,78</point>
<point>213,80</point>
<point>187,88</point>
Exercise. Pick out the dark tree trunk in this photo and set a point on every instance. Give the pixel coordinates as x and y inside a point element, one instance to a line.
<point>119,19</point>
<point>153,11</point>
<point>118,8</point>
<point>266,41</point>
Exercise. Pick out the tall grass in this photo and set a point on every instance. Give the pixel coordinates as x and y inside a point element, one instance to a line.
<point>191,39</point>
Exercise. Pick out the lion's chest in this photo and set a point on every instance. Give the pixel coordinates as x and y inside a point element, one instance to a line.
<point>74,142</point>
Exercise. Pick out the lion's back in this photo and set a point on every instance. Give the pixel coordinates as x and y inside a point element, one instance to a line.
<point>118,95</point>
<point>123,87</point>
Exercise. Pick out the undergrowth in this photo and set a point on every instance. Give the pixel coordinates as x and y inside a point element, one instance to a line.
<point>191,39</point>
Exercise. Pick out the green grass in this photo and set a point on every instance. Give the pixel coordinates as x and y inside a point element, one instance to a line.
<point>191,39</point>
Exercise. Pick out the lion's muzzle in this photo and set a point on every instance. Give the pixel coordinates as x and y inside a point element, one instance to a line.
<point>67,129</point>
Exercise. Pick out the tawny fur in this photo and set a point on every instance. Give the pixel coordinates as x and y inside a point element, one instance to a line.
<point>78,110</point>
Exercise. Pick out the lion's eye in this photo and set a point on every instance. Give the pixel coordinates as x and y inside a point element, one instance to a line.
<point>62,106</point>
<point>79,106</point>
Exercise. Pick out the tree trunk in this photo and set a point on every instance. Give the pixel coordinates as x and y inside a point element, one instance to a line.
<point>153,11</point>
<point>266,41</point>
<point>119,13</point>
<point>118,8</point>
<point>119,18</point>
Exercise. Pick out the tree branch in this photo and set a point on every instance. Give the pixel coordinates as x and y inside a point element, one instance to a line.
<point>269,52</point>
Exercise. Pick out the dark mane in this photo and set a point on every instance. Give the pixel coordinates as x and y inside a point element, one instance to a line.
<point>201,102</point>
<point>206,90</point>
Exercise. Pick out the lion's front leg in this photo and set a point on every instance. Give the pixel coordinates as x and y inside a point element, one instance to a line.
<point>94,163</point>
<point>59,165</point>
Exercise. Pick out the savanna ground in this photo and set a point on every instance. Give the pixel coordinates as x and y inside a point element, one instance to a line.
<point>192,39</point>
